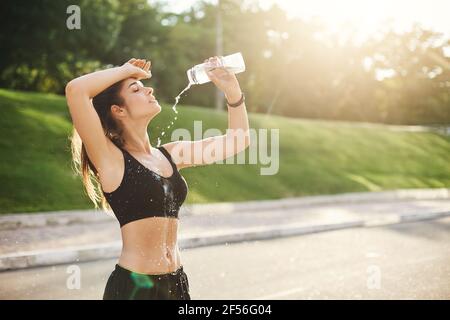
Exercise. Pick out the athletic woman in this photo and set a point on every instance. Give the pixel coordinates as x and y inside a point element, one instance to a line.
<point>111,110</point>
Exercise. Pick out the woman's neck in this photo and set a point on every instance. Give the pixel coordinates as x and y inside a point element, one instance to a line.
<point>137,140</point>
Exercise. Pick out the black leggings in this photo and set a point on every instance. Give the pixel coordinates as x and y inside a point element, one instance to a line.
<point>124,284</point>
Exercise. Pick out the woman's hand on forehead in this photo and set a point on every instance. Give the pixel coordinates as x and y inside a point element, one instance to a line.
<point>138,68</point>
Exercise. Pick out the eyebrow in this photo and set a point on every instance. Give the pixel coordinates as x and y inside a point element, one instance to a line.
<point>136,82</point>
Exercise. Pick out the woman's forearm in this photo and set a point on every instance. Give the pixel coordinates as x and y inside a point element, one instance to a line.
<point>237,116</point>
<point>93,83</point>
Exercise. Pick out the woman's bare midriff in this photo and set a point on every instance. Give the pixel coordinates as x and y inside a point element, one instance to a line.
<point>150,245</point>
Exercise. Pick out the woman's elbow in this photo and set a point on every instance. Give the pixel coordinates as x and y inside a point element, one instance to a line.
<point>73,86</point>
<point>237,141</point>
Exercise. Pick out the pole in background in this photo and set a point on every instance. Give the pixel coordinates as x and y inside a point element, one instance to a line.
<point>219,52</point>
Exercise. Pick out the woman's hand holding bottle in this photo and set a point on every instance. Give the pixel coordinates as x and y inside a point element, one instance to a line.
<point>224,80</point>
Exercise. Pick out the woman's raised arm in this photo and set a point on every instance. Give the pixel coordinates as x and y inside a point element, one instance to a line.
<point>237,137</point>
<point>86,121</point>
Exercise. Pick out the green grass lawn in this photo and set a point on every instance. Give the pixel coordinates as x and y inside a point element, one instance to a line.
<point>316,157</point>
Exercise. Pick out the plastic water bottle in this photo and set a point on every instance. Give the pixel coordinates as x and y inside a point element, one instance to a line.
<point>233,63</point>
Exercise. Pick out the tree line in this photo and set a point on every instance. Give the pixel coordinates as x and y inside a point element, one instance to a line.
<point>294,67</point>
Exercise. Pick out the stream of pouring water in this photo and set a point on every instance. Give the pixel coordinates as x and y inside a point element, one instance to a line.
<point>174,108</point>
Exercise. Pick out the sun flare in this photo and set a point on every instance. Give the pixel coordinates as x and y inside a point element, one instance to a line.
<point>365,18</point>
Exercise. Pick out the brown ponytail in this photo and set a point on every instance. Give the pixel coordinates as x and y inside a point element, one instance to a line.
<point>81,164</point>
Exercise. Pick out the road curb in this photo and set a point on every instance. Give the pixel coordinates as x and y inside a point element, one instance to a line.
<point>108,250</point>
<point>35,220</point>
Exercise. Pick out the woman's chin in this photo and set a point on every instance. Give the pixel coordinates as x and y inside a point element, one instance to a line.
<point>156,109</point>
<point>155,105</point>
<point>153,110</point>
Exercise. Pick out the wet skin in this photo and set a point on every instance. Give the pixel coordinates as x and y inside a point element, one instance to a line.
<point>149,245</point>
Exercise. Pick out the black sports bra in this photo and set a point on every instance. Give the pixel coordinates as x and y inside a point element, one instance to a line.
<point>143,193</point>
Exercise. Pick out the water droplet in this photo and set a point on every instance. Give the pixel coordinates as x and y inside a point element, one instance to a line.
<point>177,98</point>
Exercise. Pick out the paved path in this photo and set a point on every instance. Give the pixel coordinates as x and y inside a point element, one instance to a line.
<point>403,261</point>
<point>80,236</point>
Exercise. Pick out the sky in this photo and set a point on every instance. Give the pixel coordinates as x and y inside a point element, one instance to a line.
<point>368,15</point>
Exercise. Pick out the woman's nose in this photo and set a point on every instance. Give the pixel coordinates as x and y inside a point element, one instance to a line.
<point>149,90</point>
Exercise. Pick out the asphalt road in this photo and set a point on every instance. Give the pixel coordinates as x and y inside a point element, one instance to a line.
<point>405,261</point>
